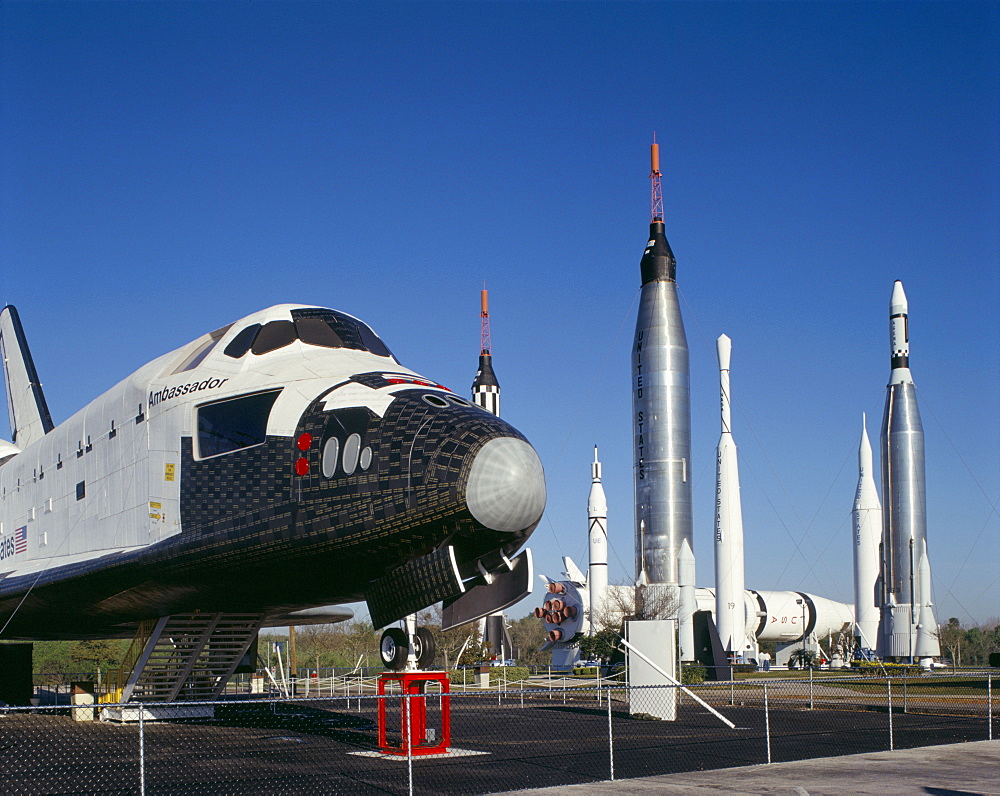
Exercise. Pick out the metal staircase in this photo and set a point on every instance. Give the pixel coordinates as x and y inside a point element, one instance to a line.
<point>184,658</point>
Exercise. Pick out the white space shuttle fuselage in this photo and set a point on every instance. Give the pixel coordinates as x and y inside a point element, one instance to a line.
<point>283,462</point>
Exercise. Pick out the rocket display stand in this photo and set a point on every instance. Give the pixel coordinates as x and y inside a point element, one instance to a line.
<point>413,699</point>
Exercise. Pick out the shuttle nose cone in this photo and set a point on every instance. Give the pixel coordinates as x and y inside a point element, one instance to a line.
<point>506,487</point>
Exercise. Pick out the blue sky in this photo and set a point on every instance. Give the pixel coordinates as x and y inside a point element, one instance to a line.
<point>167,168</point>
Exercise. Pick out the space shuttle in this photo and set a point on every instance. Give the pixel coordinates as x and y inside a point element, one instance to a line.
<point>275,468</point>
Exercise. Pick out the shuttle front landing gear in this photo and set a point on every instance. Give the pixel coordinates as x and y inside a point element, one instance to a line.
<point>410,649</point>
<point>423,648</point>
<point>393,649</point>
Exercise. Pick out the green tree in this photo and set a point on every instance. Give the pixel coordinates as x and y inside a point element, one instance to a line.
<point>51,660</point>
<point>600,646</point>
<point>951,637</point>
<point>528,635</point>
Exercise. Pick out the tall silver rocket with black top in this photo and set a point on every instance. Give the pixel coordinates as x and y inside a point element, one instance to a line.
<point>907,625</point>
<point>661,420</point>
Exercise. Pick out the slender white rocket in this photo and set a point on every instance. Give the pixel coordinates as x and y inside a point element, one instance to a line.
<point>926,644</point>
<point>867,522</point>
<point>730,613</point>
<point>597,514</point>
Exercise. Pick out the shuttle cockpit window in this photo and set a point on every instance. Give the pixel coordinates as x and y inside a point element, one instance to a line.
<point>314,326</point>
<point>341,331</point>
<point>272,336</point>
<point>234,424</point>
<point>197,353</point>
<point>240,344</point>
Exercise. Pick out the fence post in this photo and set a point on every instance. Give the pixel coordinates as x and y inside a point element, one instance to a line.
<point>906,690</point>
<point>409,739</point>
<point>810,687</point>
<point>611,744</point>
<point>767,724</point>
<point>142,752</point>
<point>989,705</point>
<point>888,691</point>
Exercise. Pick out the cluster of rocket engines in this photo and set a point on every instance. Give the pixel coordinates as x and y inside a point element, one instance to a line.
<point>563,611</point>
<point>893,615</point>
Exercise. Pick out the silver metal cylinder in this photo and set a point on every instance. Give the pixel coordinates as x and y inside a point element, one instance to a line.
<point>661,417</point>
<point>904,510</point>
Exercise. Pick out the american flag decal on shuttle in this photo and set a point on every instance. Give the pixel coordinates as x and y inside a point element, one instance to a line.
<point>21,540</point>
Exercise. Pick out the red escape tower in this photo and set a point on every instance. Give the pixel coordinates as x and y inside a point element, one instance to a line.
<point>485,389</point>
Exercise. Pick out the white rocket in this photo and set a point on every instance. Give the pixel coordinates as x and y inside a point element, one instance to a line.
<point>597,514</point>
<point>867,516</point>
<point>730,613</point>
<point>907,622</point>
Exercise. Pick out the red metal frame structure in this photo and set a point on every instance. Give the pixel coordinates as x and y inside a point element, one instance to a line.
<point>656,198</point>
<point>485,343</point>
<point>414,700</point>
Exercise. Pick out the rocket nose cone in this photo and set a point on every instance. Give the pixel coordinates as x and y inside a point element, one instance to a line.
<point>506,487</point>
<point>898,303</point>
<point>864,449</point>
<point>724,347</point>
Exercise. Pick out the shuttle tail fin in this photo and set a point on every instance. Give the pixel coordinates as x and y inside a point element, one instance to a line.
<point>29,414</point>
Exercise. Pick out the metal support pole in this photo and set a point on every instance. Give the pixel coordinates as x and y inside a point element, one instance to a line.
<point>905,692</point>
<point>888,691</point>
<point>767,724</point>
<point>989,705</point>
<point>142,752</point>
<point>810,688</point>
<point>409,739</point>
<point>611,744</point>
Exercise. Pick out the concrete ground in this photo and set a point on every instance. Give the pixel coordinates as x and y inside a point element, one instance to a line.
<point>961,769</point>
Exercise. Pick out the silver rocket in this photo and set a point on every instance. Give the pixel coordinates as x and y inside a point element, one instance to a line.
<point>730,612</point>
<point>661,418</point>
<point>907,627</point>
<point>597,516</point>
<point>867,523</point>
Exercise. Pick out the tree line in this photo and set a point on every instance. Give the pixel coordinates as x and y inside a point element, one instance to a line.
<point>356,643</point>
<point>969,646</point>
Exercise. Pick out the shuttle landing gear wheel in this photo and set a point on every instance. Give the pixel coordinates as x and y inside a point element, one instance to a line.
<point>393,649</point>
<point>423,647</point>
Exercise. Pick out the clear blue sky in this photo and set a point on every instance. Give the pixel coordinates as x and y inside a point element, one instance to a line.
<point>166,168</point>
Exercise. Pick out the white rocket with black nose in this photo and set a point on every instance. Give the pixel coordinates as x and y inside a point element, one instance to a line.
<point>661,422</point>
<point>597,517</point>
<point>908,626</point>
<point>867,522</point>
<point>730,612</point>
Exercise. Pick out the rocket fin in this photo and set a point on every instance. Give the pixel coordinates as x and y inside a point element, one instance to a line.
<point>573,572</point>
<point>29,414</point>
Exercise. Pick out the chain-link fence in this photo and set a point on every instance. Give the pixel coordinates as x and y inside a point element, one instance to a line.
<point>539,732</point>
